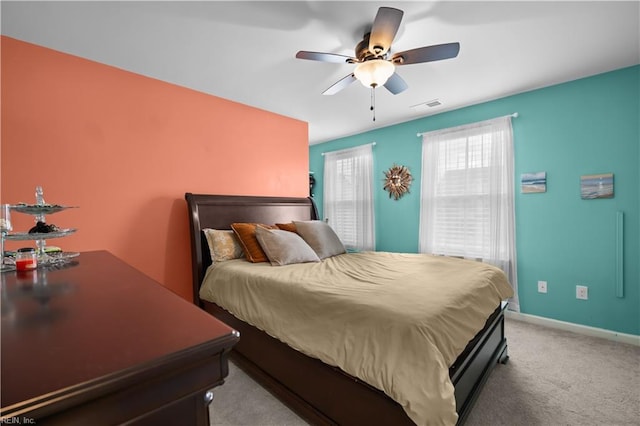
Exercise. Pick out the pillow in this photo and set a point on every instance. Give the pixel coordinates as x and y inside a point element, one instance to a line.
<point>223,245</point>
<point>320,237</point>
<point>291,227</point>
<point>246,233</point>
<point>284,247</point>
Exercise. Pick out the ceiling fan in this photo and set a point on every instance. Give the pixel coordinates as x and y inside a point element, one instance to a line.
<point>375,64</point>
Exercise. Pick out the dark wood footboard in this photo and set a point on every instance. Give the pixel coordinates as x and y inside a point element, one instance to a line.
<point>472,368</point>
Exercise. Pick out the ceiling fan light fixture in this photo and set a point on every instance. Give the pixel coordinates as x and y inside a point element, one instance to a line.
<point>374,73</point>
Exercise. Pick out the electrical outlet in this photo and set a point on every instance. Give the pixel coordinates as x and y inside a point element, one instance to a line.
<point>542,286</point>
<point>582,292</point>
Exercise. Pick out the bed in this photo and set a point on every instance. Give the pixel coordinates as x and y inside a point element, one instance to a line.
<point>319,392</point>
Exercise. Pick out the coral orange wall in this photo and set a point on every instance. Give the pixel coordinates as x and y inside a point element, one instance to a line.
<point>125,148</point>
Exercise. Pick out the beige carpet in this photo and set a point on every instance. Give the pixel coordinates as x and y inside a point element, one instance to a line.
<point>552,378</point>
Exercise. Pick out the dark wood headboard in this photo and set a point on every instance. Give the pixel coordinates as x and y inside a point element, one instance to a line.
<point>220,211</point>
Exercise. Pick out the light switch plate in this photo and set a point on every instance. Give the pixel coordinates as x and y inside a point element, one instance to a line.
<point>542,286</point>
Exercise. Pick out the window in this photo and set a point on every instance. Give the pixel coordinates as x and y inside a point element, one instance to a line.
<point>348,196</point>
<point>467,196</point>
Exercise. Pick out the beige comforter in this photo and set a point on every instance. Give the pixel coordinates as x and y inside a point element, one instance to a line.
<point>396,321</point>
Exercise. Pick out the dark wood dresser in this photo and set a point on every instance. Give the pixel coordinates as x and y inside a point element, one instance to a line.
<point>99,343</point>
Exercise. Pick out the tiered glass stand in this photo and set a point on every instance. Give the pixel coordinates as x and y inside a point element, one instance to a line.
<point>39,210</point>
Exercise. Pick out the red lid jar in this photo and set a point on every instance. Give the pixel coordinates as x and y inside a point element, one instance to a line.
<point>26,259</point>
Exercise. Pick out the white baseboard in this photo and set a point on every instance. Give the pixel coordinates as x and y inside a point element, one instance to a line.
<point>576,328</point>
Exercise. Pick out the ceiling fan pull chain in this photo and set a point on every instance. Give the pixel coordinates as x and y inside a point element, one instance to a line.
<point>373,102</point>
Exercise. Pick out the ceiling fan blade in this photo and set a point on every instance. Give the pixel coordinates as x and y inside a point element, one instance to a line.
<point>384,29</point>
<point>340,84</point>
<point>426,54</point>
<point>326,57</point>
<point>395,84</point>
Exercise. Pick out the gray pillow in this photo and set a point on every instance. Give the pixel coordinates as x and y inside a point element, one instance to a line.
<point>284,247</point>
<point>320,237</point>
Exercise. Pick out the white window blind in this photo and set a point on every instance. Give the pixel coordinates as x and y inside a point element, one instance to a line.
<point>467,195</point>
<point>348,196</point>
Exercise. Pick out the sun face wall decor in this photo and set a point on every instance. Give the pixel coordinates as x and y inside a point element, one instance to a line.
<point>397,181</point>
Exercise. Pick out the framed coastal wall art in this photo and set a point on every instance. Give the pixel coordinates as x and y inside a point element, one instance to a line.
<point>596,186</point>
<point>533,182</point>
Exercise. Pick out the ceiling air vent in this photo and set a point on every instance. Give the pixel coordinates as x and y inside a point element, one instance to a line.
<point>421,107</point>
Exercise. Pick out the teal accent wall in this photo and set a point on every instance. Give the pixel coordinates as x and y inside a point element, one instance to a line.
<point>582,127</point>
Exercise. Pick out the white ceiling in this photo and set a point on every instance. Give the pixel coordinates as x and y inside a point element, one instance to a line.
<point>244,51</point>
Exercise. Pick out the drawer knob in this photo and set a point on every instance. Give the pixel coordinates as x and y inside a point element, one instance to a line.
<point>208,398</point>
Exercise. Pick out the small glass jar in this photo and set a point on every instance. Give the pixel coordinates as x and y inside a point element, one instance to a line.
<point>26,259</point>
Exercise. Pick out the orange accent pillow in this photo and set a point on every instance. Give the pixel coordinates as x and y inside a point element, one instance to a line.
<point>291,227</point>
<point>246,233</point>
